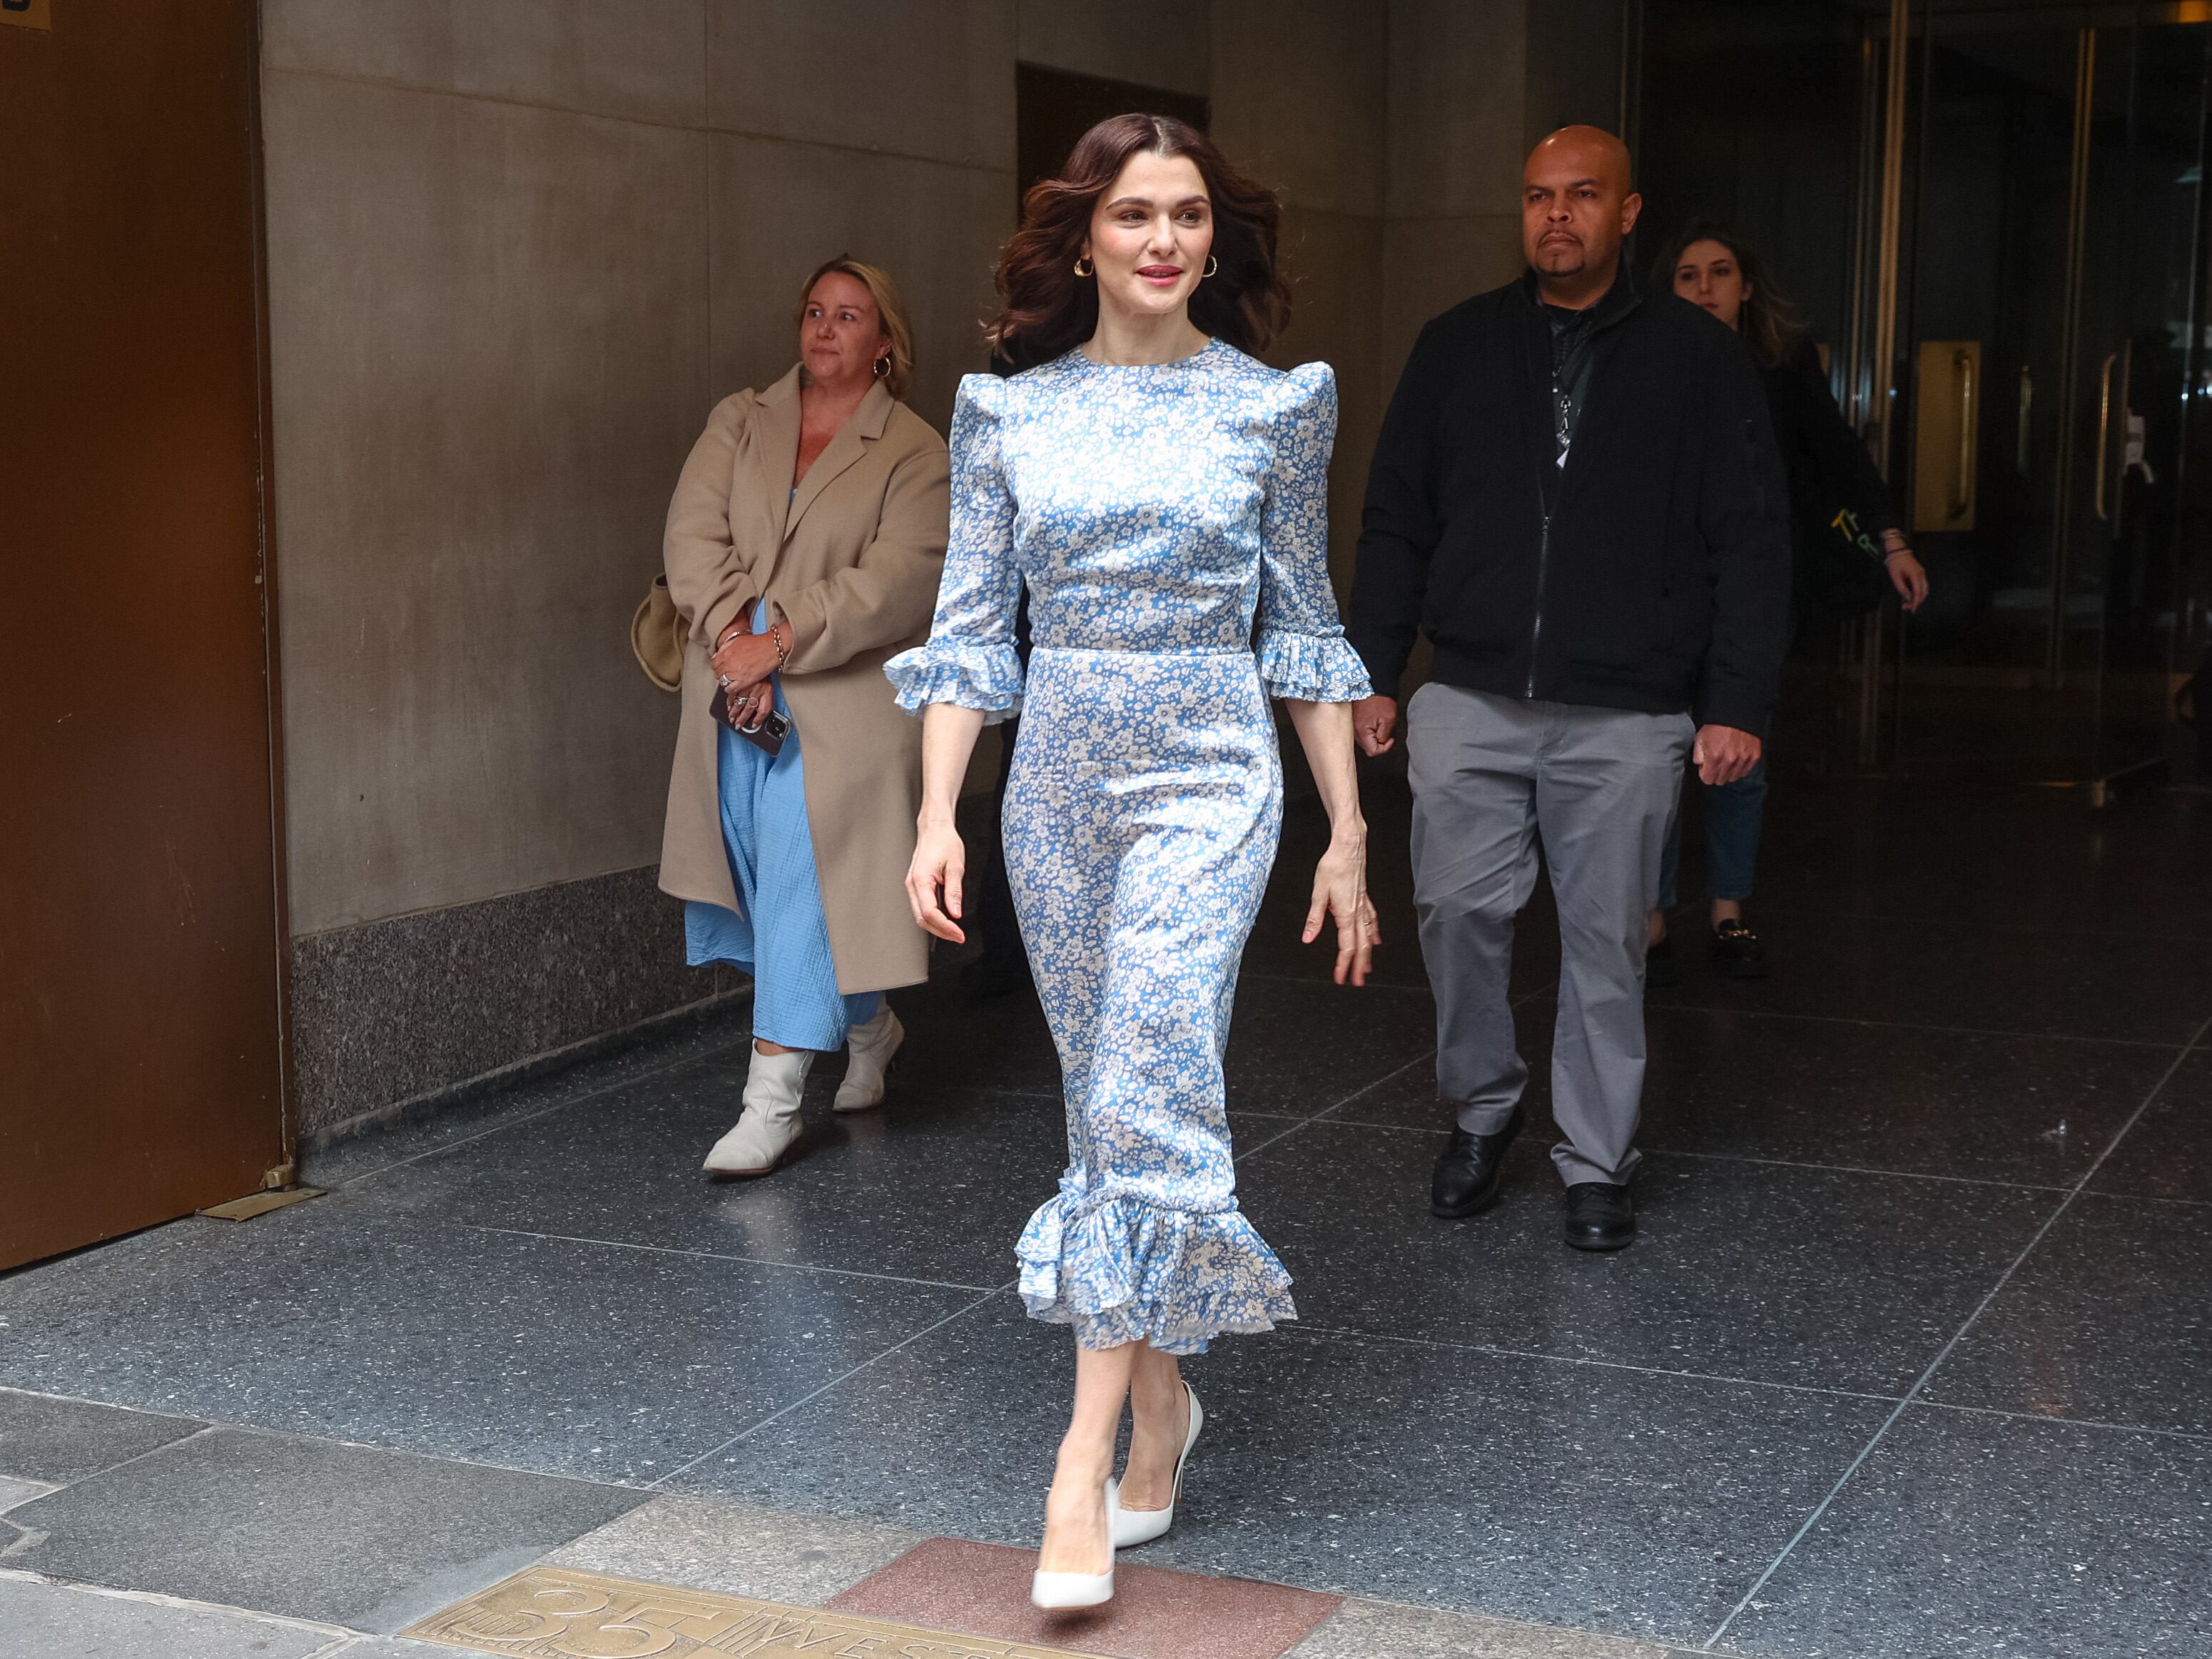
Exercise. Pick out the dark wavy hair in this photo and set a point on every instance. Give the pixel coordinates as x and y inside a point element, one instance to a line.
<point>1772,324</point>
<point>1047,309</point>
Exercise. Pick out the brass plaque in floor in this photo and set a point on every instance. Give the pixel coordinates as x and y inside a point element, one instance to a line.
<point>564,1613</point>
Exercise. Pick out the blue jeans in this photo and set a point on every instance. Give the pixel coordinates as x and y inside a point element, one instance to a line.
<point>1734,813</point>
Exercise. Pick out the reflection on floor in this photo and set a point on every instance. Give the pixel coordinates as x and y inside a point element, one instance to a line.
<point>1912,1354</point>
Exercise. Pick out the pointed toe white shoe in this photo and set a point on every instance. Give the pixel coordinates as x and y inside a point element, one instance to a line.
<point>1060,1592</point>
<point>1136,1527</point>
<point>769,1124</point>
<point>871,1047</point>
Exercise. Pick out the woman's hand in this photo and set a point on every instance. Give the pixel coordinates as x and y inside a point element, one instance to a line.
<point>749,705</point>
<point>1906,573</point>
<point>939,862</point>
<point>743,660</point>
<point>1341,890</point>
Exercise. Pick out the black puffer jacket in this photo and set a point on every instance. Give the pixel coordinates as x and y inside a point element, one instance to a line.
<point>1651,573</point>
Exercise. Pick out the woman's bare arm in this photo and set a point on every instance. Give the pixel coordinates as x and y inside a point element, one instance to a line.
<point>933,879</point>
<point>1324,731</point>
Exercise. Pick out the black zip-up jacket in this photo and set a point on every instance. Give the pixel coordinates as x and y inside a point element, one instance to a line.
<point>1651,573</point>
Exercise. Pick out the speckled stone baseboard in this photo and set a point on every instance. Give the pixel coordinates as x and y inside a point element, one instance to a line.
<point>403,1010</point>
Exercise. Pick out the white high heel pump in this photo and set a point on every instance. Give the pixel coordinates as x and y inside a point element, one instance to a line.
<point>1136,1527</point>
<point>1057,1592</point>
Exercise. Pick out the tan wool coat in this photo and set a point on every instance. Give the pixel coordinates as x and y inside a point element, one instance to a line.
<point>851,561</point>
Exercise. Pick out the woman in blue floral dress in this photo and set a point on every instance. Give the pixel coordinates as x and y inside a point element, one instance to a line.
<point>1156,489</point>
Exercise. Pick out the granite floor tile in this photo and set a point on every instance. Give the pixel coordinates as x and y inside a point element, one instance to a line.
<point>1409,1097</point>
<point>1989,1538</point>
<point>1386,1630</point>
<point>13,1492</point>
<point>1964,975</point>
<point>376,1147</point>
<point>1300,1049</point>
<point>2037,1111</point>
<point>1734,1083</point>
<point>55,1440</point>
<point>935,1185</point>
<point>350,1319</point>
<point>983,1590</point>
<point>739,1549</point>
<point>1811,1277</point>
<point>953,1434</point>
<point>2168,1154</point>
<point>2016,858</point>
<point>347,1534</point>
<point>2109,1319</point>
<point>69,1622</point>
<point>1618,1501</point>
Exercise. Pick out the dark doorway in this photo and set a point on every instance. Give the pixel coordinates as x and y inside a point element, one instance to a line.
<point>141,956</point>
<point>1054,108</point>
<point>1996,218</point>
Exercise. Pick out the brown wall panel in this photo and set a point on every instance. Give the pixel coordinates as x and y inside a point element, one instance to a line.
<point>141,1061</point>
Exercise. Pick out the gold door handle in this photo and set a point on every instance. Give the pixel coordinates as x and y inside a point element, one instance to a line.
<point>2103,430</point>
<point>1962,495</point>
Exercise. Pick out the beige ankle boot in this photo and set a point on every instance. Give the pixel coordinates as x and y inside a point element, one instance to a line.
<point>769,1124</point>
<point>871,1047</point>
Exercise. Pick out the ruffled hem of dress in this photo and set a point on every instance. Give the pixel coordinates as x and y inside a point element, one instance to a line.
<point>1311,667</point>
<point>1126,1271</point>
<point>973,674</point>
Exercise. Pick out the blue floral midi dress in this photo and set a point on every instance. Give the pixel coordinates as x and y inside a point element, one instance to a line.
<point>1152,511</point>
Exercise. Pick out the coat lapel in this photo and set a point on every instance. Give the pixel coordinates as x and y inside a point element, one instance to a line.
<point>866,426</point>
<point>776,453</point>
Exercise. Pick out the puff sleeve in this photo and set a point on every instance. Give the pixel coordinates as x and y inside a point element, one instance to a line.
<point>970,660</point>
<point>1304,655</point>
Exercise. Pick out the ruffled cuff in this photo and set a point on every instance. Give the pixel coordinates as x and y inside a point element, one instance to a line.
<point>972,673</point>
<point>1311,667</point>
<point>1126,1271</point>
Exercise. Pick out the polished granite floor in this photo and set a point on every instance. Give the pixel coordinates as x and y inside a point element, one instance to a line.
<point>1913,1356</point>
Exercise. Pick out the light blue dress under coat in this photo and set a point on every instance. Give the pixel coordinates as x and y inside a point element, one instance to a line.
<point>1153,511</point>
<point>782,936</point>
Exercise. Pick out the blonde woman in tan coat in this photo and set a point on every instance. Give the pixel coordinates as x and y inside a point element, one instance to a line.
<point>804,547</point>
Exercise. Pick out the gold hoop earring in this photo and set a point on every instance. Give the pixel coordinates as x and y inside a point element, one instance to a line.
<point>1212,265</point>
<point>882,367</point>
<point>1083,265</point>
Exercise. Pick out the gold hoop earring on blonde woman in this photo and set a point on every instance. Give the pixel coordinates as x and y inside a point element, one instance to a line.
<point>882,367</point>
<point>1083,265</point>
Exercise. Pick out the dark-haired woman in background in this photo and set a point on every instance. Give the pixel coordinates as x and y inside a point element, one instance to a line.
<point>1837,497</point>
<point>1155,487</point>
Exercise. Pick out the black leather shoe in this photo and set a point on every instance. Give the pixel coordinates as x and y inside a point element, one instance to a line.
<point>1465,1183</point>
<point>1659,967</point>
<point>1737,951</point>
<point>1600,1216</point>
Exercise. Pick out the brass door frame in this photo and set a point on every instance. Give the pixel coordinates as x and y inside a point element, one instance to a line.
<point>1876,414</point>
<point>1875,410</point>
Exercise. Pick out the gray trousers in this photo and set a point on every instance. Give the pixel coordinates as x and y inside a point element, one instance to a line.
<point>1490,775</point>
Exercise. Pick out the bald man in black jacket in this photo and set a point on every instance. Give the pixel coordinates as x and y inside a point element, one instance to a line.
<point>1576,497</point>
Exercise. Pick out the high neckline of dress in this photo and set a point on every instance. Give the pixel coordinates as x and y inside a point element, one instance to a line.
<point>1213,344</point>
